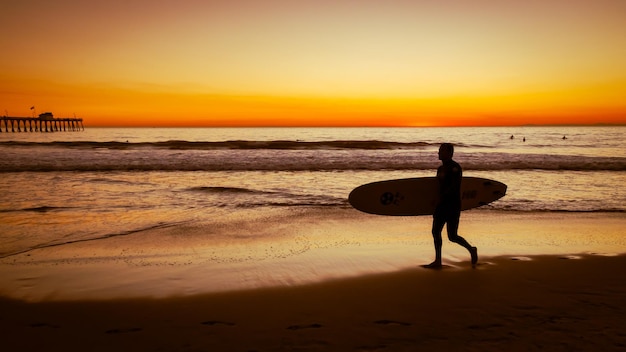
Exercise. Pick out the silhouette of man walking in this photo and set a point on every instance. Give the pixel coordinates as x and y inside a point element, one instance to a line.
<point>448,209</point>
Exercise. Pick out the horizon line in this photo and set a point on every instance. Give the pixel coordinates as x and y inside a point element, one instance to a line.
<point>599,124</point>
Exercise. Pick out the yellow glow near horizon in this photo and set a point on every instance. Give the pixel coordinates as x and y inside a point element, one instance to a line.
<point>322,62</point>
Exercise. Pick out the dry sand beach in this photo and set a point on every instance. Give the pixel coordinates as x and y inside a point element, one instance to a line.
<point>540,303</point>
<point>515,302</point>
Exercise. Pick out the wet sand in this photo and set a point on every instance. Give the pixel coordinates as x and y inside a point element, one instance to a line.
<point>290,250</point>
<point>506,303</point>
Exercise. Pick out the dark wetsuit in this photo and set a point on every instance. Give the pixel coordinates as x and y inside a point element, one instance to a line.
<point>448,210</point>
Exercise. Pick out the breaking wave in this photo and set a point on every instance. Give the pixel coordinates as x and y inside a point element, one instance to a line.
<point>235,144</point>
<point>306,160</point>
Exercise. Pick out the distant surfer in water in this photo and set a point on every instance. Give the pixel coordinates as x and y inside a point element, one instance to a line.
<point>448,210</point>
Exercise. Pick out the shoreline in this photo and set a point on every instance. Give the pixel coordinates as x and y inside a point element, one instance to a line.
<point>535,302</point>
<point>314,247</point>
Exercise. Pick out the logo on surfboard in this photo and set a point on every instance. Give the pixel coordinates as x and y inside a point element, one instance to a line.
<point>389,198</point>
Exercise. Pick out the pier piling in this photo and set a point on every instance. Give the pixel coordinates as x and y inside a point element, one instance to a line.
<point>43,123</point>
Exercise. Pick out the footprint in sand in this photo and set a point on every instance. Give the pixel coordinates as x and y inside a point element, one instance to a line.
<point>300,327</point>
<point>570,257</point>
<point>522,259</point>
<point>391,322</point>
<point>43,325</point>
<point>380,347</point>
<point>216,323</point>
<point>483,265</point>
<point>123,331</point>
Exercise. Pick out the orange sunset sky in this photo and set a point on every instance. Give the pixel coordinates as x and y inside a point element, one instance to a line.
<point>315,62</point>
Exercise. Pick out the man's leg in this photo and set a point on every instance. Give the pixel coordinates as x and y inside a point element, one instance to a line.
<point>452,228</point>
<point>438,222</point>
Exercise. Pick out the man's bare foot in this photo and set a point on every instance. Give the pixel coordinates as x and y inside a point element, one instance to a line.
<point>474,253</point>
<point>433,265</point>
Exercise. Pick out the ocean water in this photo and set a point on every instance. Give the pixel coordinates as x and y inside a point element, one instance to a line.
<point>275,189</point>
<point>72,186</point>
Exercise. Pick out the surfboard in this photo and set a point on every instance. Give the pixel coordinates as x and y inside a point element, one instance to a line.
<point>418,196</point>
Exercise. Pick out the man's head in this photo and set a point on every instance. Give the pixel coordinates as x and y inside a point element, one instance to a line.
<point>446,150</point>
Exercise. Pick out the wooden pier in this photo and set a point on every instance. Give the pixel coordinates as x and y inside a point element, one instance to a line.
<point>44,123</point>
